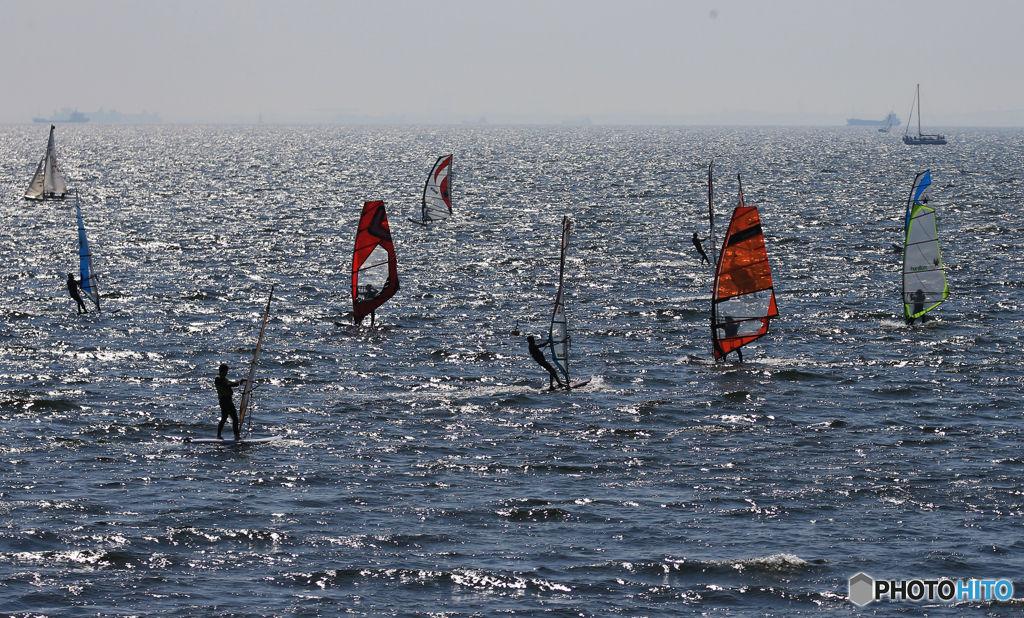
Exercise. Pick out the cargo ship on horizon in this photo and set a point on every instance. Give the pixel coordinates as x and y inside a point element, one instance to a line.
<point>69,116</point>
<point>857,122</point>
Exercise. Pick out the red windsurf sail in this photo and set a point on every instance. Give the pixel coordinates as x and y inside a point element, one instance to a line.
<point>374,263</point>
<point>743,299</point>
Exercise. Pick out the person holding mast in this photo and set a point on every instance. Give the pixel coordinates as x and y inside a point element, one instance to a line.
<point>538,355</point>
<point>227,406</point>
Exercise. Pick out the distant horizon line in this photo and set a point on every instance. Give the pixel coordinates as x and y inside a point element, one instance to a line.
<point>499,123</point>
<point>1013,118</point>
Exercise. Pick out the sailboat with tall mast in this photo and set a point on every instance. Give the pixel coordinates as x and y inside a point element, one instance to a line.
<point>922,139</point>
<point>48,181</point>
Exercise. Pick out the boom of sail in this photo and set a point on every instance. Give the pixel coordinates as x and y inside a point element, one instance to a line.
<point>247,391</point>
<point>559,333</point>
<point>374,263</point>
<point>743,297</point>
<point>437,192</point>
<point>924,277</point>
<point>86,270</point>
<point>48,181</point>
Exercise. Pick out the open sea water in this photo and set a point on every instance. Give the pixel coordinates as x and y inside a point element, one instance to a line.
<point>426,470</point>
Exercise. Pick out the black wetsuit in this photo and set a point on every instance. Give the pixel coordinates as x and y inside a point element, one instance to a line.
<point>918,297</point>
<point>227,406</point>
<point>538,355</point>
<point>700,249</point>
<point>73,286</point>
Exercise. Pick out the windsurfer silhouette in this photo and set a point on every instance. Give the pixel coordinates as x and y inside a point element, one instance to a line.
<point>918,299</point>
<point>73,286</point>
<point>731,330</point>
<point>538,355</point>
<point>700,249</point>
<point>369,293</point>
<point>227,406</point>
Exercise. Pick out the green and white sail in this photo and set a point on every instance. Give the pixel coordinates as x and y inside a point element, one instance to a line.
<point>924,276</point>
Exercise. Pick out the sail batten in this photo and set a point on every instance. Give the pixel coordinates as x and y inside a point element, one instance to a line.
<point>559,333</point>
<point>247,390</point>
<point>743,297</point>
<point>374,262</point>
<point>437,192</point>
<point>87,273</point>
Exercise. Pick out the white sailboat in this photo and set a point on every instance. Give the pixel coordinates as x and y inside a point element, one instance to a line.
<point>888,123</point>
<point>48,181</point>
<point>922,139</point>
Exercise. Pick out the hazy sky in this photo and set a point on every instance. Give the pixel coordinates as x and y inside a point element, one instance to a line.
<point>512,60</point>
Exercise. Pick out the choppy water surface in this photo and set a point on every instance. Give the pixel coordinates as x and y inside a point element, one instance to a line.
<point>425,470</point>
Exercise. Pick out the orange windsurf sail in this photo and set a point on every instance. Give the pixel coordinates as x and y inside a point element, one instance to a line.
<point>743,298</point>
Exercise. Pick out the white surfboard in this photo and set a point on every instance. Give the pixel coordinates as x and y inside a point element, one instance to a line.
<point>576,384</point>
<point>233,441</point>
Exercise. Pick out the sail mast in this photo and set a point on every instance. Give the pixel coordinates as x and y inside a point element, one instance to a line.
<point>711,211</point>
<point>247,391</point>
<point>906,131</point>
<point>917,97</point>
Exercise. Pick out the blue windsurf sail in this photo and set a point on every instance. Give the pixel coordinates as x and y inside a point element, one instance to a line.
<point>86,270</point>
<point>918,194</point>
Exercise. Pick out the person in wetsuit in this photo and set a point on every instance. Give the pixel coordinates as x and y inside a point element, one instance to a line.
<point>700,249</point>
<point>538,355</point>
<point>731,330</point>
<point>918,299</point>
<point>227,406</point>
<point>73,285</point>
<point>369,293</point>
